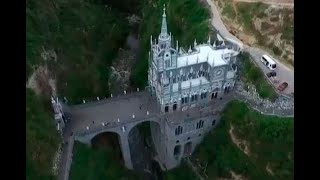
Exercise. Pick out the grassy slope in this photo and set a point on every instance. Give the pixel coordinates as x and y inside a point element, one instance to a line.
<point>186,19</point>
<point>271,141</point>
<point>42,138</point>
<point>85,36</point>
<point>246,12</point>
<point>253,75</point>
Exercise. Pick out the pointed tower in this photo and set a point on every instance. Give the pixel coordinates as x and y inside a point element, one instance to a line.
<point>164,37</point>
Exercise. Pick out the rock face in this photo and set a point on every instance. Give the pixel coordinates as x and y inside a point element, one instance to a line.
<point>42,81</point>
<point>133,19</point>
<point>118,81</point>
<point>282,105</point>
<point>120,74</point>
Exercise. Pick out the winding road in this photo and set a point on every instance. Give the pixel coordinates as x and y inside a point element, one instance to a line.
<point>284,73</point>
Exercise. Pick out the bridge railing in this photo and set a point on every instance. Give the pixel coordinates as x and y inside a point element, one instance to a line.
<point>111,97</point>
<point>100,127</point>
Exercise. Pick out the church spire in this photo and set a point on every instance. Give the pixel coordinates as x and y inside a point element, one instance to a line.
<point>164,29</point>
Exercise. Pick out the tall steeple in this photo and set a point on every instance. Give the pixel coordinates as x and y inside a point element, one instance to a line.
<point>164,37</point>
<point>164,29</point>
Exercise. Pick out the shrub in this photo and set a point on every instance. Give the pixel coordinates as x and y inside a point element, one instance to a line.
<point>274,18</point>
<point>276,51</point>
<point>229,11</point>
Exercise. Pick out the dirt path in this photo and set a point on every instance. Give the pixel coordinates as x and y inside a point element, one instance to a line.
<point>283,3</point>
<point>239,142</point>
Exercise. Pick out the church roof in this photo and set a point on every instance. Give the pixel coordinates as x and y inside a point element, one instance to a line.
<point>204,53</point>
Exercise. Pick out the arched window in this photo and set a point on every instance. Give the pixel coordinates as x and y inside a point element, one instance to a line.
<point>213,122</point>
<point>200,124</point>
<point>178,130</point>
<point>167,62</point>
<point>174,106</point>
<point>203,95</point>
<point>166,108</point>
<point>177,151</point>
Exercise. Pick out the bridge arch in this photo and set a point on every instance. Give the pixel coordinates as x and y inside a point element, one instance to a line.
<point>187,149</point>
<point>110,141</point>
<point>144,139</point>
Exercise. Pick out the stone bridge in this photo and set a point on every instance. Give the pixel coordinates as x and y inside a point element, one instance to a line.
<point>121,114</point>
<point>117,115</point>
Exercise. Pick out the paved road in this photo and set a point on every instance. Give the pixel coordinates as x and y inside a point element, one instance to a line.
<point>284,73</point>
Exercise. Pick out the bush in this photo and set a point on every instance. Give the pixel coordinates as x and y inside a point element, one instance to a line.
<point>291,62</point>
<point>261,15</point>
<point>274,19</point>
<point>265,26</point>
<point>276,51</point>
<point>229,11</point>
<point>262,40</point>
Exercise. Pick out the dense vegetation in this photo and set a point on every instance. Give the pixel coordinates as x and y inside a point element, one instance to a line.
<point>84,35</point>
<point>42,139</point>
<point>85,38</point>
<point>183,172</point>
<point>184,26</point>
<point>270,144</point>
<point>251,74</point>
<point>99,163</point>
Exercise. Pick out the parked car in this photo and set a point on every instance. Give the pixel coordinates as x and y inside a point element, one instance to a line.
<point>283,86</point>
<point>271,74</point>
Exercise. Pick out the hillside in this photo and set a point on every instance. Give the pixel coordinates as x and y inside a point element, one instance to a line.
<point>68,43</point>
<point>258,24</point>
<point>42,138</point>
<point>247,145</point>
<point>71,42</point>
